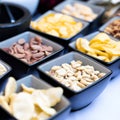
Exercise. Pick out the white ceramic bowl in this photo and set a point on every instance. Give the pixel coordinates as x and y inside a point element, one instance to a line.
<point>31,5</point>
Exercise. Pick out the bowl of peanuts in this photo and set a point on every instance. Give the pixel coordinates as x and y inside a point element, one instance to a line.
<point>26,50</point>
<point>101,47</point>
<point>81,77</point>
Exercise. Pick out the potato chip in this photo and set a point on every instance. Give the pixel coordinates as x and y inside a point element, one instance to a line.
<point>22,106</point>
<point>4,103</point>
<point>41,116</point>
<point>38,95</point>
<point>42,101</point>
<point>30,103</point>
<point>10,87</point>
<point>54,95</point>
<point>48,110</point>
<point>27,89</point>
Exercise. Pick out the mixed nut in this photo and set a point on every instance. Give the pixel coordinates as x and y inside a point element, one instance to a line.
<point>29,52</point>
<point>75,75</point>
<point>80,11</point>
<point>114,28</point>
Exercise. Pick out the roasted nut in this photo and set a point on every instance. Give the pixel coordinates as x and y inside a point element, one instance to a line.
<point>80,11</point>
<point>114,28</point>
<point>37,55</point>
<point>21,41</point>
<point>74,78</point>
<point>29,52</point>
<point>26,46</point>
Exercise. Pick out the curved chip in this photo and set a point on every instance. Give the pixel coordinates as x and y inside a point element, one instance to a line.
<point>22,106</point>
<point>54,95</point>
<point>10,87</point>
<point>27,89</point>
<point>100,38</point>
<point>38,95</point>
<point>4,103</point>
<point>101,47</point>
<point>42,101</point>
<point>83,45</point>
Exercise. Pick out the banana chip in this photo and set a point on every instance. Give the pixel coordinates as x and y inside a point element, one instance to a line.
<point>101,47</point>
<point>83,45</point>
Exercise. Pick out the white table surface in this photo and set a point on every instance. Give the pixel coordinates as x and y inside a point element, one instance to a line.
<point>104,107</point>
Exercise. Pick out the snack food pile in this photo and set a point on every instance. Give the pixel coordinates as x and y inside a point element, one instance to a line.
<point>30,103</point>
<point>3,69</point>
<point>114,29</point>
<point>75,75</point>
<point>58,25</point>
<point>101,47</point>
<point>29,52</point>
<point>80,11</point>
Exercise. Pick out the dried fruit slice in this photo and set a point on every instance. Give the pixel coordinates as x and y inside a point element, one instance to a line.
<point>83,45</point>
<point>100,38</point>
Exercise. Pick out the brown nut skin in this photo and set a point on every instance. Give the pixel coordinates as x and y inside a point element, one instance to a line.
<point>47,48</point>
<point>11,51</point>
<point>21,41</point>
<point>6,49</point>
<point>38,39</point>
<point>20,49</point>
<point>47,53</point>
<point>37,55</point>
<point>26,46</point>
<point>28,55</point>
<point>19,55</point>
<point>29,52</point>
<point>35,47</point>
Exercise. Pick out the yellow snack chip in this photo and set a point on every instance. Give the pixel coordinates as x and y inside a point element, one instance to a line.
<point>57,24</point>
<point>101,37</point>
<point>101,47</point>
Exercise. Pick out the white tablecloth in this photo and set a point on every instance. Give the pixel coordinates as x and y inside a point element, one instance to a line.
<point>104,107</point>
